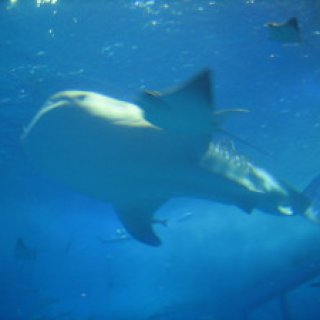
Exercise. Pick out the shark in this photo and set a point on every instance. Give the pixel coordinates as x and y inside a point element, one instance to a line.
<point>285,32</point>
<point>139,155</point>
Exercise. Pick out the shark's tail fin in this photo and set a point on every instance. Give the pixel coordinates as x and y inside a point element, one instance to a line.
<point>312,192</point>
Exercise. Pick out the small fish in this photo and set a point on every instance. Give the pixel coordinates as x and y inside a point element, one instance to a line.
<point>285,32</point>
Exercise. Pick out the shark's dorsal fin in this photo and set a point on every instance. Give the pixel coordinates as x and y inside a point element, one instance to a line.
<point>294,23</point>
<point>138,220</point>
<point>187,108</point>
<point>197,89</point>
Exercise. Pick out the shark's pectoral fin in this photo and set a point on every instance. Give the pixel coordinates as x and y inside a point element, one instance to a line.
<point>138,219</point>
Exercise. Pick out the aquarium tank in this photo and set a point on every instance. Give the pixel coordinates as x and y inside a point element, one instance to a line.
<point>159,160</point>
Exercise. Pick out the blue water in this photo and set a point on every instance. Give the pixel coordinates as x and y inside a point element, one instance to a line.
<point>215,262</point>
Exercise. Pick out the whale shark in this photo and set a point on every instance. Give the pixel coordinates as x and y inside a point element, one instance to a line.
<point>139,155</point>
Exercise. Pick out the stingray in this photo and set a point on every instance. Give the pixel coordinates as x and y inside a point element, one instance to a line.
<point>285,32</point>
<point>139,155</point>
